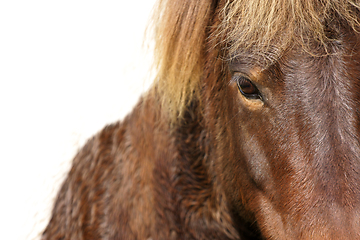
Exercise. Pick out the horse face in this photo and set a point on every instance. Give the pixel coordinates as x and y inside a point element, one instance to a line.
<point>294,140</point>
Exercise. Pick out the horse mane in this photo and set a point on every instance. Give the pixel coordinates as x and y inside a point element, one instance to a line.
<point>182,27</point>
<point>180,32</point>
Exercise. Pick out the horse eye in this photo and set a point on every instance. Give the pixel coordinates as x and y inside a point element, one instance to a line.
<point>247,88</point>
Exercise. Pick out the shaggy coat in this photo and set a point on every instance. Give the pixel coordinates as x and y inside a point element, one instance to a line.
<point>250,131</point>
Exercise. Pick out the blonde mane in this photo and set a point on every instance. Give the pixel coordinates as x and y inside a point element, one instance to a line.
<point>181,28</point>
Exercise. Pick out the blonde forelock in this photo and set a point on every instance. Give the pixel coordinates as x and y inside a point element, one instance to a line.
<point>258,25</point>
<point>180,33</point>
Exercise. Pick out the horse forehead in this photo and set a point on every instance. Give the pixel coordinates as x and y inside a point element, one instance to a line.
<point>339,67</point>
<point>323,98</point>
<point>326,87</point>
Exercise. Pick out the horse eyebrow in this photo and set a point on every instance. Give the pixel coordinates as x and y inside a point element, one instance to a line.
<point>258,58</point>
<point>245,62</point>
<point>241,65</point>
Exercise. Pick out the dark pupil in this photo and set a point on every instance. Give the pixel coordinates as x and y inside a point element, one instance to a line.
<point>247,87</point>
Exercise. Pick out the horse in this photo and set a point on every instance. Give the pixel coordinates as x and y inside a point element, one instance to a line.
<point>250,130</point>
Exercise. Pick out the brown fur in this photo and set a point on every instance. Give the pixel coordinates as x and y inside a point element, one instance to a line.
<point>197,159</point>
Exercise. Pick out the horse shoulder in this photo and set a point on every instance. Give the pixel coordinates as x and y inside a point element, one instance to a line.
<point>111,191</point>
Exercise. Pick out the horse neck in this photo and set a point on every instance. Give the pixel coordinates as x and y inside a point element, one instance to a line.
<point>201,201</point>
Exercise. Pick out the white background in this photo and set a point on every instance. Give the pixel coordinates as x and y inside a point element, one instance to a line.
<point>67,68</point>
